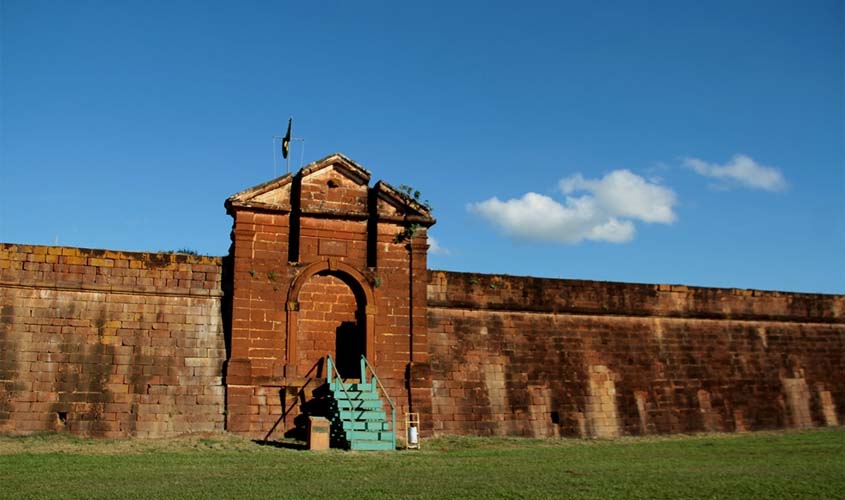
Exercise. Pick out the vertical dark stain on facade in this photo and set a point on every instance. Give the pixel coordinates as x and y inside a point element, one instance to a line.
<point>8,363</point>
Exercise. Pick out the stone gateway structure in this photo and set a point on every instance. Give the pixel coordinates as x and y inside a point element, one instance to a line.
<point>109,343</point>
<point>318,269</point>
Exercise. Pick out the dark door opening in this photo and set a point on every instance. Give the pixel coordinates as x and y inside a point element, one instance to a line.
<point>350,345</point>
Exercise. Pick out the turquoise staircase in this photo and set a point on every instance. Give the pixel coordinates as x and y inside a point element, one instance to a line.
<point>358,418</point>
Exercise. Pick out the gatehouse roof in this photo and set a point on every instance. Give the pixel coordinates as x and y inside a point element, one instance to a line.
<point>275,194</point>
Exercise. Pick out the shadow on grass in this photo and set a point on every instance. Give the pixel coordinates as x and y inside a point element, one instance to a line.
<point>290,445</point>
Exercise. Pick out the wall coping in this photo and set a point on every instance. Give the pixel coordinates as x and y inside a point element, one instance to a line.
<point>494,291</point>
<point>106,259</point>
<point>462,290</point>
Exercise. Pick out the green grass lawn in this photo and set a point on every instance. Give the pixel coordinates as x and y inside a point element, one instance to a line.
<point>809,464</point>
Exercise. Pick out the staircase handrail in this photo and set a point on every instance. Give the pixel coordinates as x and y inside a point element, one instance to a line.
<point>366,364</point>
<point>333,369</point>
<point>287,409</point>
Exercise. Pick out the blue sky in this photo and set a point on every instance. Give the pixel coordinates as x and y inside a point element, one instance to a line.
<point>661,142</point>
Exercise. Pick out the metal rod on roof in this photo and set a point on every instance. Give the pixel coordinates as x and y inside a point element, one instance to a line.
<point>302,153</point>
<point>274,156</point>
<point>287,160</point>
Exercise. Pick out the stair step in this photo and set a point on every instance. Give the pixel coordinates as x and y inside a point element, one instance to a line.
<point>358,415</point>
<point>369,436</point>
<point>358,404</point>
<point>336,387</point>
<point>369,415</point>
<point>355,395</point>
<point>363,425</point>
<point>367,444</point>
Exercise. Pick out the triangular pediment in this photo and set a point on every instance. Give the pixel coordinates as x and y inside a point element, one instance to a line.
<point>324,174</point>
<point>394,203</point>
<point>334,186</point>
<point>342,165</point>
<point>273,194</point>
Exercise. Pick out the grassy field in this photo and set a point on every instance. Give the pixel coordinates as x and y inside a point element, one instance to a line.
<point>809,464</point>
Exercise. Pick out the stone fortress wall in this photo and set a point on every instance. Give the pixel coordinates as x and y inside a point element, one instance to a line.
<point>544,357</point>
<point>110,343</point>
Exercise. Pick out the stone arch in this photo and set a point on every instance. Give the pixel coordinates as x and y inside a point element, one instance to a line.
<point>359,286</point>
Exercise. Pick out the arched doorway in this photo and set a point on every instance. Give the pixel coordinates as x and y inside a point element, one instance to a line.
<point>332,320</point>
<point>330,310</point>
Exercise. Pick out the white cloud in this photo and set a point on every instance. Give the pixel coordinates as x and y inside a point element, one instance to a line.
<point>613,231</point>
<point>741,170</point>
<point>435,248</point>
<point>605,210</point>
<point>626,194</point>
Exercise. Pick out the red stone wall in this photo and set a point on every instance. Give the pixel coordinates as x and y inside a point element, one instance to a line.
<point>331,191</point>
<point>328,317</point>
<point>258,307</point>
<point>541,357</point>
<point>116,344</point>
<point>110,344</point>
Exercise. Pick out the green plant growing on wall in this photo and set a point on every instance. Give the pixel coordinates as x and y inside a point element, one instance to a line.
<point>377,282</point>
<point>411,197</point>
<point>411,194</point>
<point>182,251</point>
<point>272,277</point>
<point>406,234</point>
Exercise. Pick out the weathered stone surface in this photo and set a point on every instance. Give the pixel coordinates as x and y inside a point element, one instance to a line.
<point>111,344</point>
<point>619,358</point>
